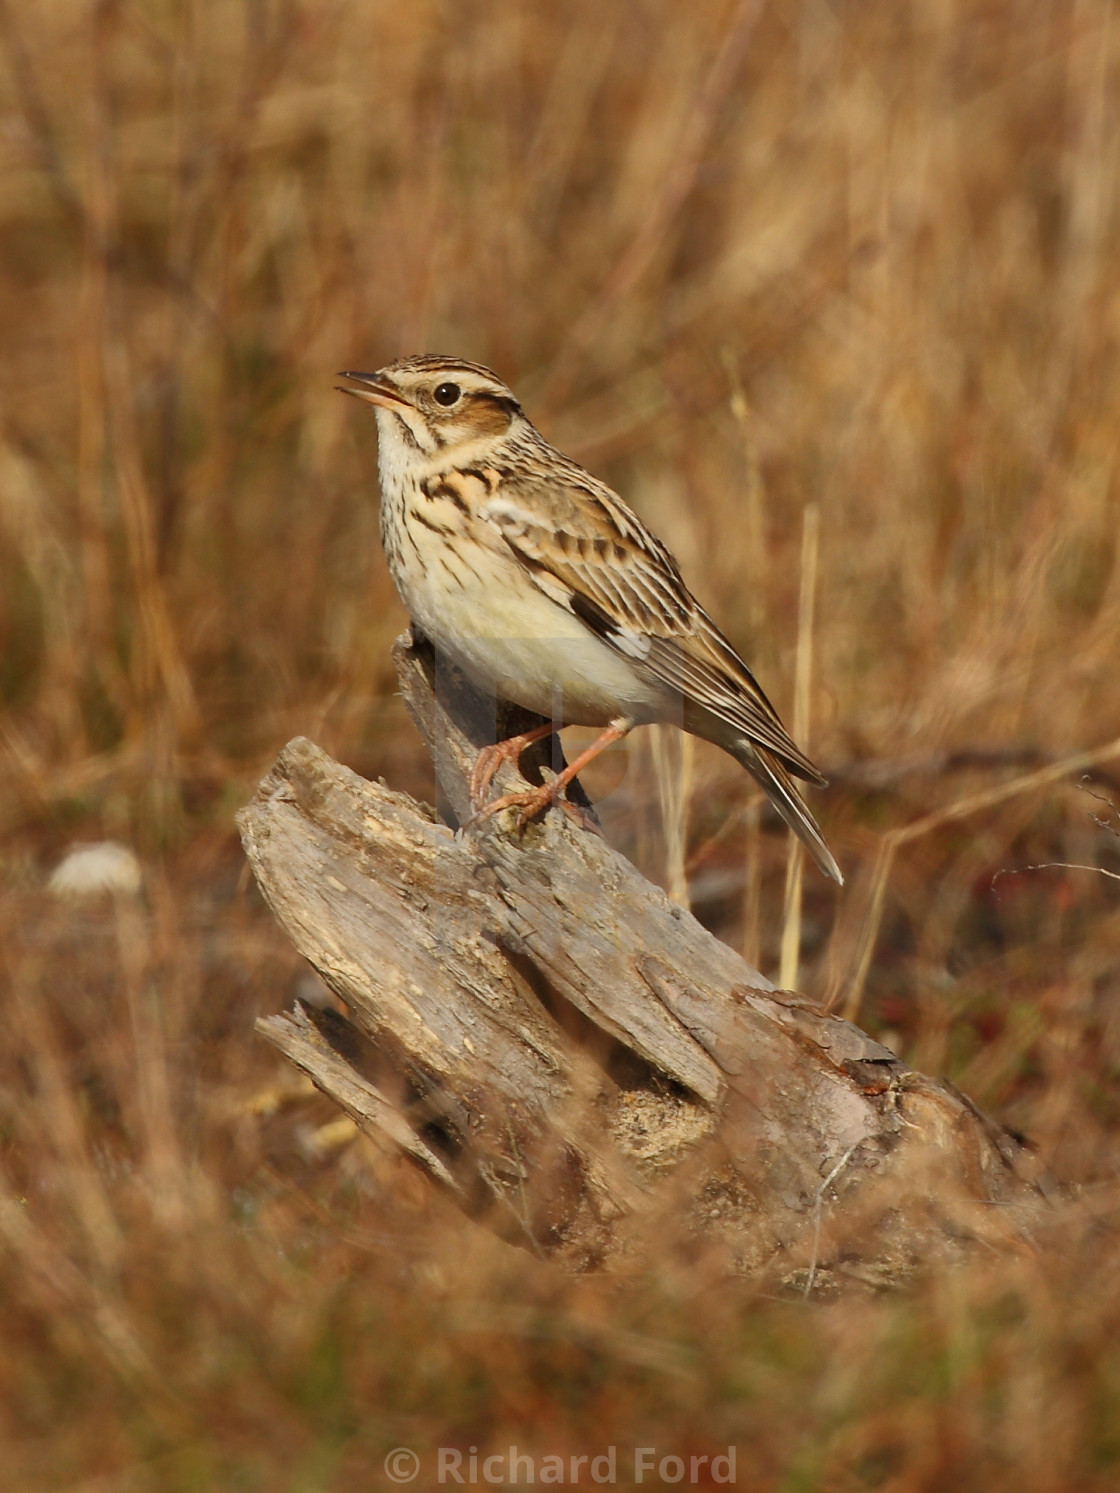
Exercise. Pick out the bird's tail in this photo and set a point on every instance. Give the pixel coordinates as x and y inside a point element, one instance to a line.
<point>779,788</point>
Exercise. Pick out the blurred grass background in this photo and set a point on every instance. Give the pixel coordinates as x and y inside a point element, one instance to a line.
<point>738,258</point>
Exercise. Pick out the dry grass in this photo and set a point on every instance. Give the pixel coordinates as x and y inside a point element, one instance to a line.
<point>739,258</point>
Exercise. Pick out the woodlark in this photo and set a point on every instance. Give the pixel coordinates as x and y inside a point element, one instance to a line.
<point>542,585</point>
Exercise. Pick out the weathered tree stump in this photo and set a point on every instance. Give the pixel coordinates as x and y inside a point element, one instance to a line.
<point>575,1059</point>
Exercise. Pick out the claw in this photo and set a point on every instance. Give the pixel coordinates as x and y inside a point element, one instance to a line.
<point>536,800</point>
<point>533,802</point>
<point>490,758</point>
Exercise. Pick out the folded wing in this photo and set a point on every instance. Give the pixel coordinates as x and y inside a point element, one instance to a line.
<point>598,559</point>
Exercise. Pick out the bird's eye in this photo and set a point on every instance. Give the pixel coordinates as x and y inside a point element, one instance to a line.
<point>447,394</point>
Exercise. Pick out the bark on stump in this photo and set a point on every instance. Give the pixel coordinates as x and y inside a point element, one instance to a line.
<point>576,1060</point>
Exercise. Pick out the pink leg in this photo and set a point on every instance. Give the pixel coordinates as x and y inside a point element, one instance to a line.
<point>491,758</point>
<point>537,799</point>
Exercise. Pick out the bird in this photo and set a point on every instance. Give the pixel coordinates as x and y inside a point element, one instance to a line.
<point>546,588</point>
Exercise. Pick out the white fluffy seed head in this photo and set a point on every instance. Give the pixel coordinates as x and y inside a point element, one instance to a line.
<point>91,870</point>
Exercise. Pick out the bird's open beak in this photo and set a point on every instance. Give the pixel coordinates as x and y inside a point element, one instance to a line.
<point>374,390</point>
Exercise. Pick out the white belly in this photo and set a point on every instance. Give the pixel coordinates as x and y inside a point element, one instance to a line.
<point>511,638</point>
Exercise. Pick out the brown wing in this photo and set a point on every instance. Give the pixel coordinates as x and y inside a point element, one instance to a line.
<point>592,554</point>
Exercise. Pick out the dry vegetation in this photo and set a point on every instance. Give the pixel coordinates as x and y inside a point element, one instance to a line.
<point>740,259</point>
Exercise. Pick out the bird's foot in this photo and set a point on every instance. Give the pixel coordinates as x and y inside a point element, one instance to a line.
<point>535,801</point>
<point>490,758</point>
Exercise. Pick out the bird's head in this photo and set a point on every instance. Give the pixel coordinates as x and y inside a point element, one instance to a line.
<point>437,406</point>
